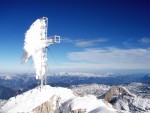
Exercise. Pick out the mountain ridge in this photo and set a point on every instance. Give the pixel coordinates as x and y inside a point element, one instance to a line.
<point>62,97</point>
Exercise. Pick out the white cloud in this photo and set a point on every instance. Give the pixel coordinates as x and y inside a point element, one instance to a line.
<point>112,58</point>
<point>66,40</point>
<point>130,43</point>
<point>83,43</point>
<point>145,40</point>
<point>90,42</point>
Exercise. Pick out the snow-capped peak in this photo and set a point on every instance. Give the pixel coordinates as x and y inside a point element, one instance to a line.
<point>58,99</point>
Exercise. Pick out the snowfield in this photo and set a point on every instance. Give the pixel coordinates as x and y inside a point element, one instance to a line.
<point>62,99</point>
<point>29,100</point>
<point>135,104</point>
<point>93,89</point>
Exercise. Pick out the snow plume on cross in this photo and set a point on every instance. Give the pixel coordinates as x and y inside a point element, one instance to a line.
<point>35,45</point>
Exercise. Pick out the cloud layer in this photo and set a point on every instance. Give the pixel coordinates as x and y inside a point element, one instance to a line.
<point>145,40</point>
<point>132,55</point>
<point>90,42</point>
<point>85,43</point>
<point>113,58</point>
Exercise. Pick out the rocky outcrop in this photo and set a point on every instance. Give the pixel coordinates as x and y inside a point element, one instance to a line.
<point>54,102</point>
<point>119,97</point>
<point>78,111</point>
<point>117,91</point>
<point>46,107</point>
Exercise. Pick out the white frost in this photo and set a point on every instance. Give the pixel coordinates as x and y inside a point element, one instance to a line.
<point>35,43</point>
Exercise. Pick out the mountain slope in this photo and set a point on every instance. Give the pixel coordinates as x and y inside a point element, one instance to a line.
<point>6,93</point>
<point>146,79</point>
<point>57,100</point>
<point>122,99</point>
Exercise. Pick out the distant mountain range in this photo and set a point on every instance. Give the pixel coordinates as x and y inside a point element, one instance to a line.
<point>6,93</point>
<point>146,79</point>
<point>66,79</point>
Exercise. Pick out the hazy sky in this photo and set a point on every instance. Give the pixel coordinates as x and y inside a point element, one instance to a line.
<point>96,35</point>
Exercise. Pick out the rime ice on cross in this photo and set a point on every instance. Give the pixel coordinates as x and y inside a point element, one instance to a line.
<point>35,45</point>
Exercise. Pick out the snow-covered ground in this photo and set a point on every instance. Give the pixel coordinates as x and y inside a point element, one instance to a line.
<point>138,104</point>
<point>61,99</point>
<point>2,102</point>
<point>94,89</point>
<point>29,100</point>
<point>80,97</point>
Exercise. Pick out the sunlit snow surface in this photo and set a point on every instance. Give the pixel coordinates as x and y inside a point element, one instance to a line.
<point>28,101</point>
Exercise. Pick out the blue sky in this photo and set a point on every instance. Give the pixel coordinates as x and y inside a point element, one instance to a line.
<point>96,35</point>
